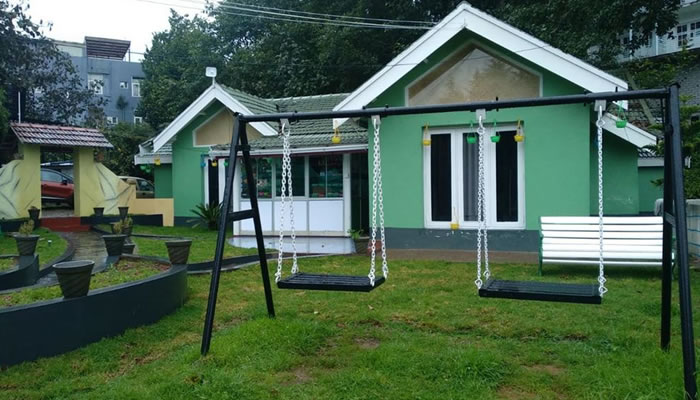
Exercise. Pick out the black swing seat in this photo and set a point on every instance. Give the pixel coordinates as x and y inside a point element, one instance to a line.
<point>344,283</point>
<point>542,291</point>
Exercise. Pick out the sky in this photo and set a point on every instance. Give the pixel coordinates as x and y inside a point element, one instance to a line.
<point>133,20</point>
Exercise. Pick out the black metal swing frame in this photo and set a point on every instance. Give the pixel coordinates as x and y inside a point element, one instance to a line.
<point>674,217</point>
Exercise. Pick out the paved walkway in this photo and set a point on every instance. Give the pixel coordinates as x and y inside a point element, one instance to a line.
<point>88,246</point>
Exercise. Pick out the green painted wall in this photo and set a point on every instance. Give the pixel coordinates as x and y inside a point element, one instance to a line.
<point>187,172</point>
<point>620,183</point>
<point>556,144</point>
<point>163,181</point>
<point>648,192</point>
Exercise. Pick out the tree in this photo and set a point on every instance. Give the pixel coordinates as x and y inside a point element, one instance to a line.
<point>126,139</point>
<point>32,64</point>
<point>174,68</point>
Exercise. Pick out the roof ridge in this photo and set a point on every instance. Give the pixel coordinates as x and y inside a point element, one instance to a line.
<point>225,87</point>
<point>313,96</point>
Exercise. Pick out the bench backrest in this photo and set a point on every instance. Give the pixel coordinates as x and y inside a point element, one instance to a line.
<point>626,240</point>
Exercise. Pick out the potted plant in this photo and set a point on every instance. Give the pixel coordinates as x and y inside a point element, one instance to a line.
<point>26,241</point>
<point>360,241</point>
<point>99,211</point>
<point>128,248</point>
<point>123,211</point>
<point>34,215</point>
<point>115,243</point>
<point>127,226</point>
<point>178,251</point>
<point>74,277</point>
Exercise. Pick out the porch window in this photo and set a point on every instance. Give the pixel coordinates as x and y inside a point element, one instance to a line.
<point>473,74</point>
<point>298,177</point>
<point>326,176</point>
<point>451,175</point>
<point>262,170</point>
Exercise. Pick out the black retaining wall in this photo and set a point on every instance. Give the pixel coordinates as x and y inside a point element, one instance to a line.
<point>27,274</point>
<point>52,327</point>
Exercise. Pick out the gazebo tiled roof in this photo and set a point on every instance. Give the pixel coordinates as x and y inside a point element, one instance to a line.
<point>57,135</point>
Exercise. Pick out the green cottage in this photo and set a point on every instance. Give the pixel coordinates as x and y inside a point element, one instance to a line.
<point>544,160</point>
<point>539,161</point>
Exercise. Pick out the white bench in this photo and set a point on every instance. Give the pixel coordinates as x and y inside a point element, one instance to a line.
<point>627,241</point>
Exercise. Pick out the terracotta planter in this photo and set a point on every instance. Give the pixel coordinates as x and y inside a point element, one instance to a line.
<point>74,277</point>
<point>123,211</point>
<point>99,211</point>
<point>178,251</point>
<point>361,245</point>
<point>378,247</point>
<point>114,244</point>
<point>34,216</point>
<point>128,248</point>
<point>26,245</point>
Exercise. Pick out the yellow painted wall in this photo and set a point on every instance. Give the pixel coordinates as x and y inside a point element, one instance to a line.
<point>97,186</point>
<point>164,207</point>
<point>217,130</point>
<point>20,184</point>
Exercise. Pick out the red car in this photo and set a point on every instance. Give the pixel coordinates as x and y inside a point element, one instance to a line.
<point>56,187</point>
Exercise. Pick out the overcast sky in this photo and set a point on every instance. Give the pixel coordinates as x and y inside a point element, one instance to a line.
<point>132,20</point>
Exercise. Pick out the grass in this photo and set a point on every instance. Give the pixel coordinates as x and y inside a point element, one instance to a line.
<point>203,242</point>
<point>125,270</point>
<point>7,263</point>
<point>425,334</point>
<point>46,251</point>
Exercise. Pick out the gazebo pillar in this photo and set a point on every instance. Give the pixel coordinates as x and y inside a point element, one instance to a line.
<point>86,182</point>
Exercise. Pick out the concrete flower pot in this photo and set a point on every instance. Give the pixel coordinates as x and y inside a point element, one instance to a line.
<point>99,211</point>
<point>74,277</point>
<point>26,244</point>
<point>128,248</point>
<point>361,245</point>
<point>114,244</point>
<point>122,212</point>
<point>178,251</point>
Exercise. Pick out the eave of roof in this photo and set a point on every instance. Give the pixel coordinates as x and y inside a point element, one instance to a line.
<point>58,135</point>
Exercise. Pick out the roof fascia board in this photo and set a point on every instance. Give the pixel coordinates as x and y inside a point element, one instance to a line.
<point>631,133</point>
<point>298,150</point>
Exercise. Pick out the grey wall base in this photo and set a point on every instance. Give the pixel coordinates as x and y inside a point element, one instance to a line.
<point>57,326</point>
<point>499,240</point>
<point>26,274</point>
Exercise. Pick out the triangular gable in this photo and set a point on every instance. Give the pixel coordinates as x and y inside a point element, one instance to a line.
<point>214,92</point>
<point>469,18</point>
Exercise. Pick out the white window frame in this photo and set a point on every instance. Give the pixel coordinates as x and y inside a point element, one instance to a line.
<point>136,83</point>
<point>138,120</point>
<point>458,179</point>
<point>123,85</point>
<point>99,83</point>
<point>112,120</point>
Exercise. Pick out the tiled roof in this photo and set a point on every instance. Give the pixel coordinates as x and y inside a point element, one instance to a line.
<point>56,135</point>
<point>647,153</point>
<point>638,113</point>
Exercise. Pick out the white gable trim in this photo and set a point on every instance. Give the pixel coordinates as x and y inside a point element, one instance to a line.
<point>631,133</point>
<point>467,17</point>
<point>214,92</point>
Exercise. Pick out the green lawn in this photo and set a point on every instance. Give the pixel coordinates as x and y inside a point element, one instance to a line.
<point>203,242</point>
<point>125,270</point>
<point>425,334</point>
<point>46,251</point>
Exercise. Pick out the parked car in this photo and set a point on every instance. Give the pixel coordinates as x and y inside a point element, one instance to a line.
<point>56,187</point>
<point>144,188</point>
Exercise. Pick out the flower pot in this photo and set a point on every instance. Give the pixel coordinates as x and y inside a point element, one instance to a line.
<point>378,247</point>
<point>496,138</point>
<point>360,245</point>
<point>26,245</point>
<point>620,123</point>
<point>34,216</point>
<point>74,277</point>
<point>471,139</point>
<point>114,244</point>
<point>99,211</point>
<point>519,138</point>
<point>128,248</point>
<point>178,251</point>
<point>123,211</point>
<point>127,231</point>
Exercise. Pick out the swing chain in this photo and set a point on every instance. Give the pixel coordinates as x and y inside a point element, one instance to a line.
<point>601,271</point>
<point>286,184</point>
<point>377,200</point>
<point>481,233</point>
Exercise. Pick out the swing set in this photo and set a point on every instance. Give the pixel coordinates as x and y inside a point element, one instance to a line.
<point>674,217</point>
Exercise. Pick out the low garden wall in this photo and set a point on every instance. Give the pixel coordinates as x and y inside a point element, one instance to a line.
<point>26,274</point>
<point>57,326</point>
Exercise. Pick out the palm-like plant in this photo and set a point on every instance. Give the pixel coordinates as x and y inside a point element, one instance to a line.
<point>208,215</point>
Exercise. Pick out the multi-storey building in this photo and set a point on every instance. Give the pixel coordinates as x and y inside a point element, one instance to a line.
<point>113,71</point>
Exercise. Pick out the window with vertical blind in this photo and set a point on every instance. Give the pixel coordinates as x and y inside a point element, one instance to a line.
<point>326,176</point>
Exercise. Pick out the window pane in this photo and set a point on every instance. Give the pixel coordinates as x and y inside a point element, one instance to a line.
<point>441,178</point>
<point>472,74</point>
<point>470,161</point>
<point>298,177</point>
<point>507,178</point>
<point>262,171</point>
<point>334,175</point>
<point>317,177</point>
